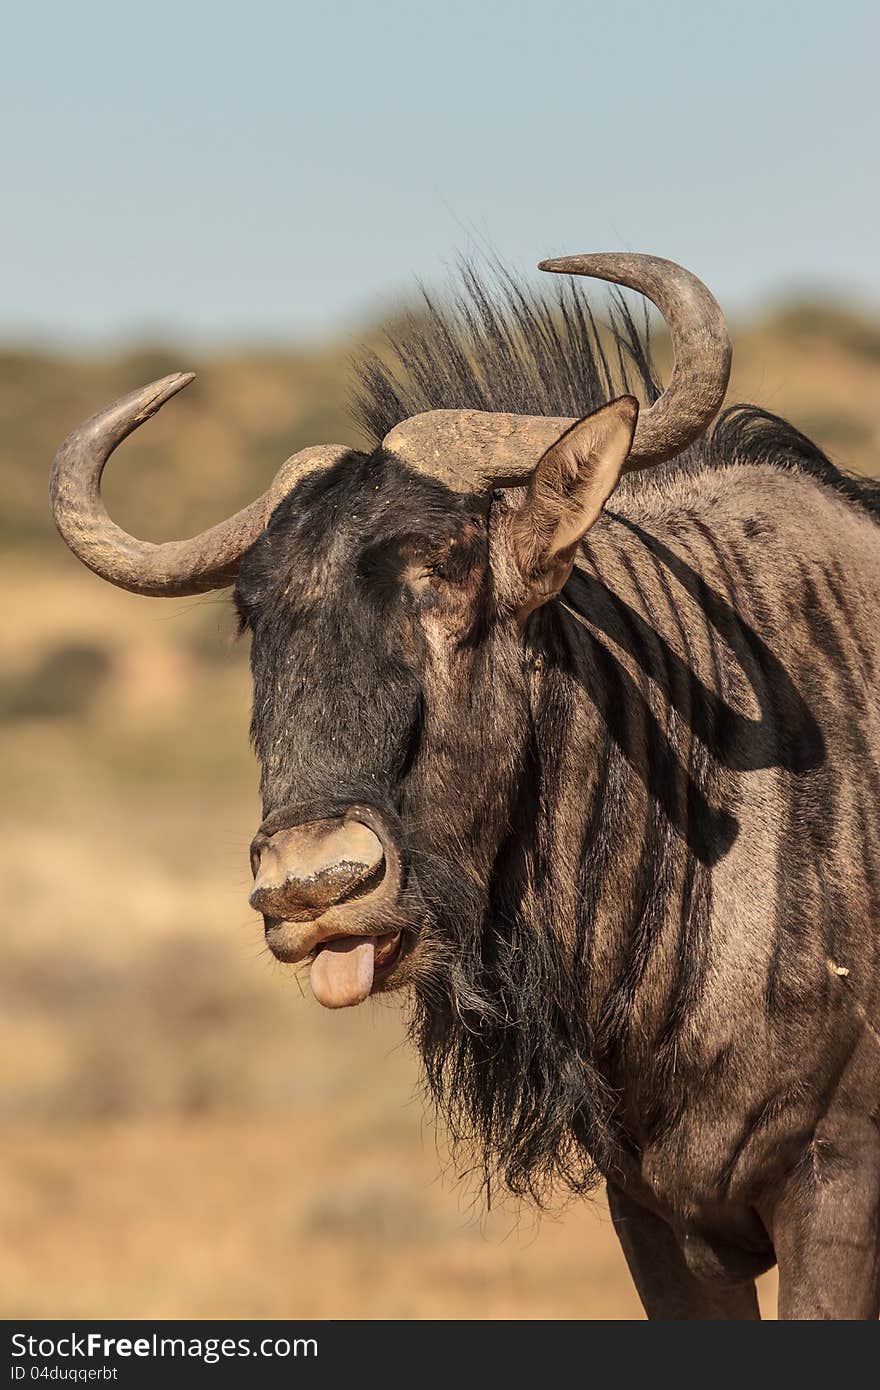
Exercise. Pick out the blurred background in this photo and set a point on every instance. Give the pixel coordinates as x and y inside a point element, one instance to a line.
<point>251,191</point>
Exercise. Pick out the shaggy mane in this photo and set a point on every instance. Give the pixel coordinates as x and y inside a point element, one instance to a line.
<point>492,345</point>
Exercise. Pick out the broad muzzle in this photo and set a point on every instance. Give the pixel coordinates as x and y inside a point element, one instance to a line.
<point>302,871</point>
<point>326,886</point>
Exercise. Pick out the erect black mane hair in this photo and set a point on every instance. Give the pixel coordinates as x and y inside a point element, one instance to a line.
<point>494,346</point>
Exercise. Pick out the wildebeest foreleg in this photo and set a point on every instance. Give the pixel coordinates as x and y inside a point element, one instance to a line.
<point>665,1284</point>
<point>826,1229</point>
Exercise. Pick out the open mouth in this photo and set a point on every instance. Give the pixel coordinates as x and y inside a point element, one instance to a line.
<point>347,969</point>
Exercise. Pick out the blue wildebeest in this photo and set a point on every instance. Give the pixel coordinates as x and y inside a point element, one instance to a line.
<point>569,728</point>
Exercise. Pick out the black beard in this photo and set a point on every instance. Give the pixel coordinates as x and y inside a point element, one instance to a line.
<point>498,1016</point>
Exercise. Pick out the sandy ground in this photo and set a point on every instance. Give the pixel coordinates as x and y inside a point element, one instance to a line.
<point>306,1216</point>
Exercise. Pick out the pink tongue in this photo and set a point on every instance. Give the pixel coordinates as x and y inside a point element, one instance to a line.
<point>342,971</point>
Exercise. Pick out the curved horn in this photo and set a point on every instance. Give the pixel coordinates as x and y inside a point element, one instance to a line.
<point>700,342</point>
<point>175,568</point>
<point>472,449</point>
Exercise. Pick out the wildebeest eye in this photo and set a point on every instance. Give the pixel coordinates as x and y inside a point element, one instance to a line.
<point>454,560</point>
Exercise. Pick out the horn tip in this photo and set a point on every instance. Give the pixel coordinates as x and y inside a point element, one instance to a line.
<point>158,392</point>
<point>592,263</point>
<point>177,380</point>
<point>174,382</point>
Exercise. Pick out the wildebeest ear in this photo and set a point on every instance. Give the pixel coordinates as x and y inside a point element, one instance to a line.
<point>565,494</point>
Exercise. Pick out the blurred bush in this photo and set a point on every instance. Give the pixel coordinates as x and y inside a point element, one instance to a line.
<point>63,683</point>
<point>843,326</point>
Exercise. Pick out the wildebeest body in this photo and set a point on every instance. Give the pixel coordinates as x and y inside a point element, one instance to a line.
<point>719,769</point>
<point>627,794</point>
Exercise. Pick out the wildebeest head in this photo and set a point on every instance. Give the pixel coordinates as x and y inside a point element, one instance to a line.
<point>388,598</point>
<point>386,613</point>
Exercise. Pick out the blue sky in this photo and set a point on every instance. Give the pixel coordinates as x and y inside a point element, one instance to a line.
<point>222,172</point>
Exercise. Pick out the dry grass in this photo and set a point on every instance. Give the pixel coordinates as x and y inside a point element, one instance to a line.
<point>186,1133</point>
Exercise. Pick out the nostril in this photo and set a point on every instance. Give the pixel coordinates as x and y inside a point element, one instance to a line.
<point>336,883</point>
<point>359,880</point>
<point>302,871</point>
